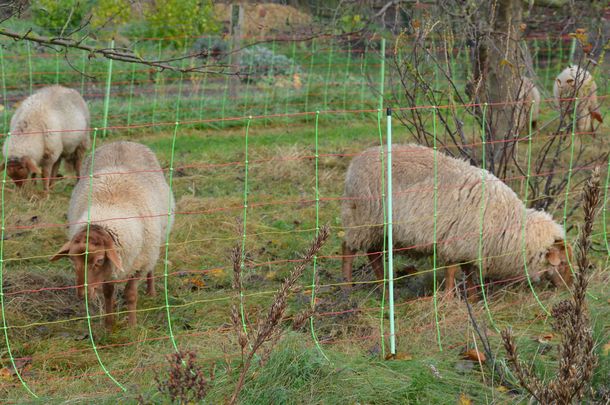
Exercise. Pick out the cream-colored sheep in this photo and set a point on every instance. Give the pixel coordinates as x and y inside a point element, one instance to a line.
<point>129,205</point>
<point>458,217</point>
<point>577,82</point>
<point>49,125</point>
<point>529,99</point>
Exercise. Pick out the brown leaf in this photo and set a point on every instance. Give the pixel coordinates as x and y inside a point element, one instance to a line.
<point>523,27</point>
<point>597,116</point>
<point>5,373</point>
<point>474,355</point>
<point>464,400</point>
<point>587,48</point>
<point>545,338</point>
<point>398,356</point>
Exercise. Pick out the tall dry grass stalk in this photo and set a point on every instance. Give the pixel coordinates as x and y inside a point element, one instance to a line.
<point>267,330</point>
<point>577,359</point>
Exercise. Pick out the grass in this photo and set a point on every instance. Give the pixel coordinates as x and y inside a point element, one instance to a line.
<point>48,332</point>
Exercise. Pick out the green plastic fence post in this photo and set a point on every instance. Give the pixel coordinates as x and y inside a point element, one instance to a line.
<point>315,258</point>
<point>4,322</point>
<point>85,285</point>
<point>4,97</point>
<point>181,84</point>
<point>131,88</point>
<point>390,235</point>
<point>272,70</point>
<point>247,92</point>
<point>107,97</point>
<point>346,79</point>
<point>156,84</point>
<point>313,52</point>
<point>384,252</point>
<point>293,73</point>
<point>242,261</point>
<point>363,78</point>
<point>167,232</point>
<point>605,209</point>
<point>572,50</point>
<point>328,70</point>
<point>203,84</point>
<point>435,236</point>
<point>29,64</point>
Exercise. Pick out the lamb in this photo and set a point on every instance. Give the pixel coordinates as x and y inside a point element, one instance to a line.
<point>573,82</point>
<point>49,125</point>
<point>458,218</point>
<point>129,206</point>
<point>529,98</point>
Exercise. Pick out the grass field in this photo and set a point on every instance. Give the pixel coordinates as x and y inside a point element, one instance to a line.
<point>48,331</point>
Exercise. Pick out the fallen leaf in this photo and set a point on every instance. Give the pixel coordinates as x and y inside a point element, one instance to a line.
<point>5,373</point>
<point>502,388</point>
<point>464,400</point>
<point>606,349</point>
<point>398,356</point>
<point>474,355</point>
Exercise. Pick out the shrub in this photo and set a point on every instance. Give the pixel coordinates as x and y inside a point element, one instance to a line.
<point>54,15</point>
<point>110,13</point>
<point>180,18</point>
<point>217,47</point>
<point>259,63</point>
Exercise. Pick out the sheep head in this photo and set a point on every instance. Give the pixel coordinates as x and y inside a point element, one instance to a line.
<point>19,169</point>
<point>559,256</point>
<point>102,255</point>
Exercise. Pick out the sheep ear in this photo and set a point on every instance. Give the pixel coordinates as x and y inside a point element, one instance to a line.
<point>552,255</point>
<point>32,167</point>
<point>113,256</point>
<point>63,252</point>
<point>597,116</point>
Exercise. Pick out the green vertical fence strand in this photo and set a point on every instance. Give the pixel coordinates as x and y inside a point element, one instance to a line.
<point>57,67</point>
<point>524,219</point>
<point>482,217</point>
<point>4,322</point>
<point>157,79</point>
<point>315,258</point>
<point>549,46</point>
<point>569,180</point>
<point>29,49</point>
<point>85,286</point>
<point>225,94</point>
<point>4,98</point>
<point>572,51</point>
<point>390,235</point>
<point>346,78</point>
<point>605,208</point>
<point>83,69</point>
<point>384,252</point>
<point>382,76</point>
<point>268,96</point>
<point>129,106</point>
<point>363,78</point>
<point>203,84</point>
<point>328,71</point>
<point>434,242</point>
<point>294,75</point>
<point>242,261</point>
<point>167,232</point>
<point>308,88</point>
<point>107,96</point>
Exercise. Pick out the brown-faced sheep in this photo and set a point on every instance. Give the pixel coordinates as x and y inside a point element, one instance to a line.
<point>49,125</point>
<point>128,205</point>
<point>458,217</point>
<point>578,82</point>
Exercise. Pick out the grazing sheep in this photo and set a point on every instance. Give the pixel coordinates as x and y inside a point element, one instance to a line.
<point>130,201</point>
<point>577,82</point>
<point>528,93</point>
<point>458,218</point>
<point>49,125</point>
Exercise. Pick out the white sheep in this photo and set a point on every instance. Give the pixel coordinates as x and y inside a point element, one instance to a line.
<point>528,100</point>
<point>577,82</point>
<point>128,204</point>
<point>459,188</point>
<point>51,124</point>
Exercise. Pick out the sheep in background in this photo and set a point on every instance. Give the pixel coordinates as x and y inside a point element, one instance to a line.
<point>130,202</point>
<point>49,125</point>
<point>458,219</point>
<point>529,98</point>
<point>577,82</point>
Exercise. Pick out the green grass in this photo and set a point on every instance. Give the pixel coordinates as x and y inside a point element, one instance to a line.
<point>48,327</point>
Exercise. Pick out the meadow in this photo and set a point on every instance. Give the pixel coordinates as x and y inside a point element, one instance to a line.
<point>280,145</point>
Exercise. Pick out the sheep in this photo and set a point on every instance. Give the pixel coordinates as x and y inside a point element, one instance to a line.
<point>459,188</point>
<point>573,82</point>
<point>529,98</point>
<point>129,206</point>
<point>49,125</point>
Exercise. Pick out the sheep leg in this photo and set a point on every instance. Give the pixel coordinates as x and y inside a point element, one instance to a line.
<point>471,286</point>
<point>450,281</point>
<point>109,304</point>
<point>150,284</point>
<point>131,297</point>
<point>54,171</point>
<point>348,261</point>
<point>376,260</point>
<point>46,178</point>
